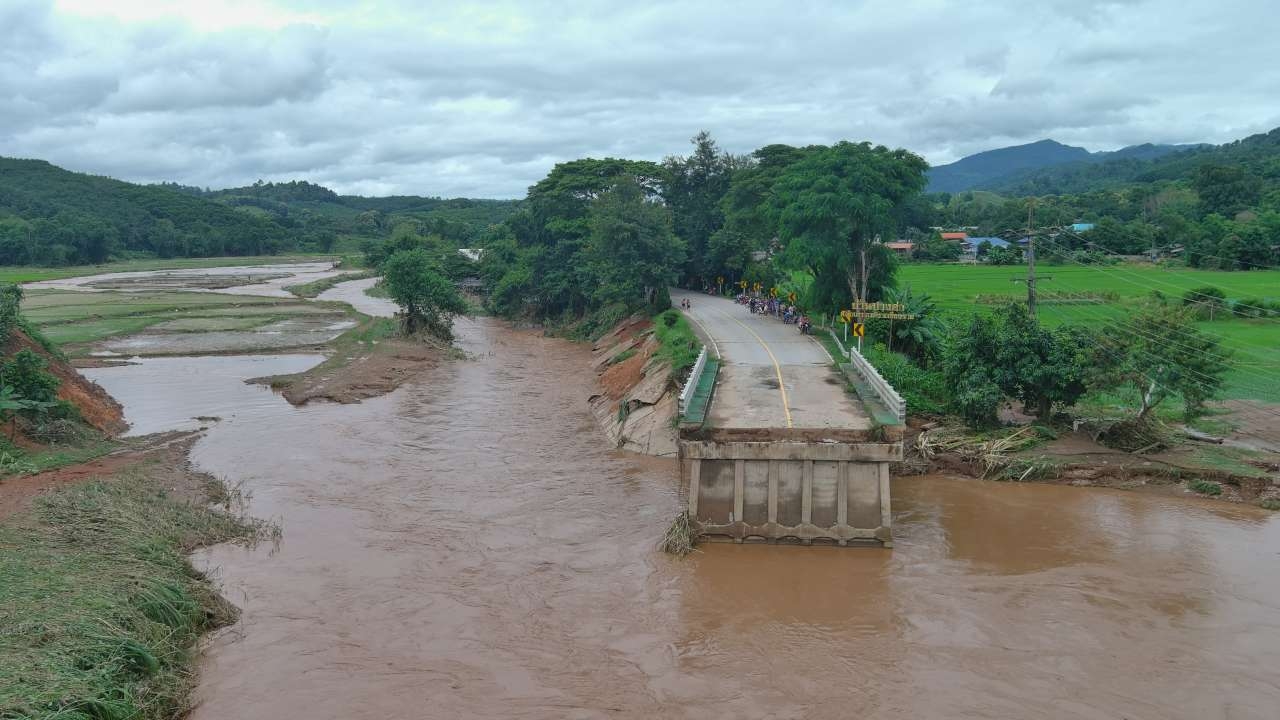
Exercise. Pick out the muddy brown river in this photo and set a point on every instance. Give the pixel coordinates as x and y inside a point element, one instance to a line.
<point>468,547</point>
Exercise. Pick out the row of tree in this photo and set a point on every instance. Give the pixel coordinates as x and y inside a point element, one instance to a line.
<point>971,366</point>
<point>616,233</point>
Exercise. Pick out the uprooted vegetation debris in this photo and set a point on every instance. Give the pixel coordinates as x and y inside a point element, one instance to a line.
<point>1012,455</point>
<point>681,537</point>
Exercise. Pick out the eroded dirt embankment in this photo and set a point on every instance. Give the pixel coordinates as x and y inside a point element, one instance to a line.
<point>96,406</point>
<point>637,402</point>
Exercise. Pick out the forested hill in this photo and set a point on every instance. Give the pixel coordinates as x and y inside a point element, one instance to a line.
<point>52,216</point>
<point>975,170</point>
<point>1003,168</point>
<point>1257,154</point>
<point>455,218</point>
<point>1214,207</point>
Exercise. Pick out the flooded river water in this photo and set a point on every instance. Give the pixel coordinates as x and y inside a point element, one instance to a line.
<point>469,547</point>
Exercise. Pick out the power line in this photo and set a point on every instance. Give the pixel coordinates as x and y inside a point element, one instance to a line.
<point>1063,229</point>
<point>1106,319</point>
<point>1137,330</point>
<point>1202,382</point>
<point>1176,287</point>
<point>1148,287</point>
<point>1119,357</point>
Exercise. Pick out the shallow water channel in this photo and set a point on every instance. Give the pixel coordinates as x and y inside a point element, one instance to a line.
<point>469,547</point>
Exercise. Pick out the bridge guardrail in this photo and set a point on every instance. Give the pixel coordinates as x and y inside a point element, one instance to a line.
<point>882,388</point>
<point>836,338</point>
<point>686,394</point>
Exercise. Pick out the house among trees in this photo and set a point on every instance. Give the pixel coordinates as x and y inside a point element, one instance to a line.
<point>902,248</point>
<point>971,245</point>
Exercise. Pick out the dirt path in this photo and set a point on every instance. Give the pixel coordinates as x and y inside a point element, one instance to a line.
<point>163,450</point>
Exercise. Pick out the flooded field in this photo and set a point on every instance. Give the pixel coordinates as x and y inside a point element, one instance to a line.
<point>469,547</point>
<point>352,293</point>
<point>281,334</point>
<point>193,311</point>
<point>163,394</point>
<point>262,280</point>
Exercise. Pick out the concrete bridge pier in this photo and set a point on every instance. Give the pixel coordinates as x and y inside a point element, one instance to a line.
<point>789,490</point>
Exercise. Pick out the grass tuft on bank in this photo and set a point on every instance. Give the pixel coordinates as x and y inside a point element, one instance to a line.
<point>677,343</point>
<point>100,609</point>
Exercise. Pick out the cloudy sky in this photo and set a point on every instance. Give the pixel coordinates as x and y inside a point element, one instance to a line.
<point>480,99</point>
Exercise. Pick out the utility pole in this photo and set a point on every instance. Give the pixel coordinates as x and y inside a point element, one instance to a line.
<point>862,291</point>
<point>1031,261</point>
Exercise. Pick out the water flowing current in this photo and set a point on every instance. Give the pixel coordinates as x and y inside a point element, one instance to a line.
<point>469,547</point>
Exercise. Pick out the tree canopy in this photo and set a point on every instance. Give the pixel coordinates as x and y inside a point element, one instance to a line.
<point>832,205</point>
<point>427,299</point>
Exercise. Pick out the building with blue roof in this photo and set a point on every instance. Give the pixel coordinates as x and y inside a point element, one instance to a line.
<point>971,244</point>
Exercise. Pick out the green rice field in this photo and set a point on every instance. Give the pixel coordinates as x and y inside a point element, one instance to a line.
<point>1253,343</point>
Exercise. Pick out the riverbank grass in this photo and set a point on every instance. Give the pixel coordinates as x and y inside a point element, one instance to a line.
<point>677,343</point>
<point>100,609</point>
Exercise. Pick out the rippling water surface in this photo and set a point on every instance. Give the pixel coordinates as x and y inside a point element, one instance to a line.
<point>469,547</point>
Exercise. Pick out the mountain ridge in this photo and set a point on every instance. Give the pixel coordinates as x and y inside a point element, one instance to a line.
<point>991,169</point>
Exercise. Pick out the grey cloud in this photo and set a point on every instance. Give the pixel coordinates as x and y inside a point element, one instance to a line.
<point>225,71</point>
<point>482,99</point>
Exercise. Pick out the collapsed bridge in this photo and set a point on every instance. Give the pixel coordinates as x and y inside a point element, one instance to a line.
<point>778,441</point>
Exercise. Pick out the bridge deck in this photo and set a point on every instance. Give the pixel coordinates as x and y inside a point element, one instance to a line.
<point>771,376</point>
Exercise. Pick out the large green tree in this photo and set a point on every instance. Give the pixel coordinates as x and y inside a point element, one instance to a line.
<point>552,229</point>
<point>830,208</point>
<point>632,253</point>
<point>748,226</point>
<point>427,299</point>
<point>694,188</point>
<point>1160,353</point>
<point>1011,355</point>
<point>1042,368</point>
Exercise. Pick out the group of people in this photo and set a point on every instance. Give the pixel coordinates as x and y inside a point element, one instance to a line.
<point>789,314</point>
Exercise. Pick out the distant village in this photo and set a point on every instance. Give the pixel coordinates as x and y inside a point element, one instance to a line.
<point>977,248</point>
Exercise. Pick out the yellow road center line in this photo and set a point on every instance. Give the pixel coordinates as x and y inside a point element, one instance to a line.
<point>777,368</point>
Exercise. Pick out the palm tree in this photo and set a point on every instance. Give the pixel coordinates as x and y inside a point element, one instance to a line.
<point>920,336</point>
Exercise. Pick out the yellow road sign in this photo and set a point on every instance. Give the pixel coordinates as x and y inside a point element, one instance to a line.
<point>859,330</point>
<point>846,316</point>
<point>791,296</point>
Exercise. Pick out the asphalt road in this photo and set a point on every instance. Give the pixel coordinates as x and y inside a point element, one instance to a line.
<point>771,375</point>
